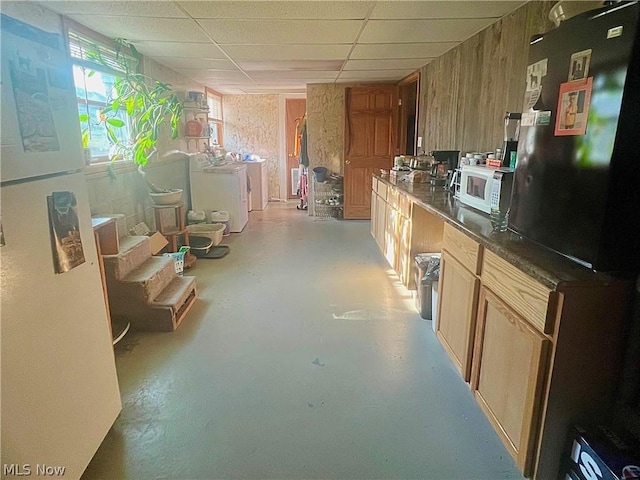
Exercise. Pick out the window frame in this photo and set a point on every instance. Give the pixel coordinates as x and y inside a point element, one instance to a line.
<point>108,47</point>
<point>219,122</point>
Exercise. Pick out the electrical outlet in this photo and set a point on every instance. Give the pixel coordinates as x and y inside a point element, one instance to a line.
<point>419,142</point>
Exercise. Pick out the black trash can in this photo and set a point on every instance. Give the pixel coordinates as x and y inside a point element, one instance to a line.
<point>427,273</point>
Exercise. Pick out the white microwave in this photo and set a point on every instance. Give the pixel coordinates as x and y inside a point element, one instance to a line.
<point>482,186</point>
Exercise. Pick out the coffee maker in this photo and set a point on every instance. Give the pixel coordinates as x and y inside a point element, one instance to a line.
<point>443,166</point>
<point>511,133</point>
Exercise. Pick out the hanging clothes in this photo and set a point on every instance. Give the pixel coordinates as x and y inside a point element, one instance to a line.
<point>303,159</point>
<point>303,187</point>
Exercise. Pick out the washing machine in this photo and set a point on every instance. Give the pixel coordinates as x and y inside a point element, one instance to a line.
<point>219,188</point>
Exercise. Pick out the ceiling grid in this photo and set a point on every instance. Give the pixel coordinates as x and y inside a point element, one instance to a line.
<point>246,46</point>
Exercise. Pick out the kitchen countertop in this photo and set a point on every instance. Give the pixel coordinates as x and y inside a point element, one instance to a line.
<point>549,268</point>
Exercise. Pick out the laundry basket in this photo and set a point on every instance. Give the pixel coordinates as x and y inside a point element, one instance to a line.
<point>213,231</point>
<point>221,217</point>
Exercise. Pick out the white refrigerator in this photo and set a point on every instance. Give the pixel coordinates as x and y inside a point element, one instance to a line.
<point>59,387</point>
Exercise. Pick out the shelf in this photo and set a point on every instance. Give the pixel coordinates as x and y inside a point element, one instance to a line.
<point>195,109</point>
<point>197,138</point>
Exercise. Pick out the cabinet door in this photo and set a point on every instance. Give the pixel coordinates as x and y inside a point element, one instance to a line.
<point>391,236</point>
<point>374,206</point>
<point>381,222</point>
<point>510,359</point>
<point>457,307</point>
<point>404,254</point>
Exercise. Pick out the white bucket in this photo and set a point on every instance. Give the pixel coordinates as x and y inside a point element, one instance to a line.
<point>223,218</point>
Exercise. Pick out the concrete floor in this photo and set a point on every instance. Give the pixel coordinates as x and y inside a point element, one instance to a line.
<point>302,358</point>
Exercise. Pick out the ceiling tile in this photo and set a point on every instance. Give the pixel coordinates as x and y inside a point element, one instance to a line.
<point>416,31</point>
<point>294,32</point>
<point>197,63</point>
<point>119,8</point>
<point>266,89</point>
<point>139,28</point>
<point>278,10</point>
<point>405,50</point>
<point>387,10</point>
<point>179,49</point>
<point>287,52</point>
<point>280,75</point>
<point>226,75</point>
<point>297,65</point>
<point>397,64</point>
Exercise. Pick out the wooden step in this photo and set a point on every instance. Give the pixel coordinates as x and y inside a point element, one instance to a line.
<point>134,251</point>
<point>145,282</point>
<point>165,313</point>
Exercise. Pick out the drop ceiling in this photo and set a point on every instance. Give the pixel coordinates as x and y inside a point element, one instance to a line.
<point>240,47</point>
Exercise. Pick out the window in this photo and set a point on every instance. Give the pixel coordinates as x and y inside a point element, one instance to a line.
<point>214,101</point>
<point>94,86</point>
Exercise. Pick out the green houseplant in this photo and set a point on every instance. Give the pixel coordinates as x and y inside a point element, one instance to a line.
<point>147,102</point>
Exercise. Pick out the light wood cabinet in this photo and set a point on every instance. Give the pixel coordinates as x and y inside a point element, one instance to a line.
<point>457,304</point>
<point>458,297</point>
<point>538,338</point>
<point>509,365</point>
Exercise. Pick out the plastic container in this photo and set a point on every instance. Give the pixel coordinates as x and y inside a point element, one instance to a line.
<point>212,231</point>
<point>320,174</point>
<point>196,217</point>
<point>223,218</point>
<point>178,259</point>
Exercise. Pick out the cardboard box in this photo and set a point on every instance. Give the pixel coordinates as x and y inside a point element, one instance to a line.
<point>600,453</point>
<point>157,242</point>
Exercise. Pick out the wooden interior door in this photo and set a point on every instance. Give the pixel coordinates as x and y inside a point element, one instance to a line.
<point>295,109</point>
<point>408,116</point>
<point>370,143</point>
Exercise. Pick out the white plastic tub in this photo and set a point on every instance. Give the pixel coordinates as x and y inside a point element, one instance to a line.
<point>222,218</point>
<point>213,231</point>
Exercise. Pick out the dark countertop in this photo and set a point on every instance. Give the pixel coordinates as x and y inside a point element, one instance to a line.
<point>549,268</point>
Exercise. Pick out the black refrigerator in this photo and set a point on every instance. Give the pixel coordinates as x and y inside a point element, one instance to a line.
<point>577,180</point>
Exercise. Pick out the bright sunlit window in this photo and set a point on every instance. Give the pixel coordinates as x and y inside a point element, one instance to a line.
<point>214,101</point>
<point>94,88</point>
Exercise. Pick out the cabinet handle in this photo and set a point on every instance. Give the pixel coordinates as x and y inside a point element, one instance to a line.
<point>347,162</point>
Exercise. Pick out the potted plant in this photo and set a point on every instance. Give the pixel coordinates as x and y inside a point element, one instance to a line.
<point>147,103</point>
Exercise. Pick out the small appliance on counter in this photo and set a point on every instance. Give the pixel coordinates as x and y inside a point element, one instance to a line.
<point>444,164</point>
<point>421,162</point>
<point>478,187</point>
<point>511,134</point>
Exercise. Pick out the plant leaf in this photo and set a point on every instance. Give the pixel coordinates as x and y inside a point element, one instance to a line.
<point>116,122</point>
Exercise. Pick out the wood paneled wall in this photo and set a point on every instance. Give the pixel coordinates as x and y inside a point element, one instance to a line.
<point>466,92</point>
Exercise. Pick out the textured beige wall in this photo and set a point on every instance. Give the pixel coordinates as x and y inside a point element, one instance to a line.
<point>251,126</point>
<point>325,125</point>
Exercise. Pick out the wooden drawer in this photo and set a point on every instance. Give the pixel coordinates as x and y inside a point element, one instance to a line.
<point>535,302</point>
<point>404,205</point>
<point>462,248</point>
